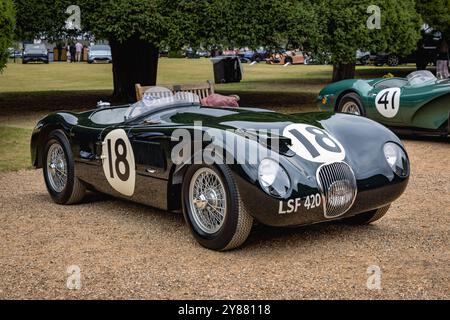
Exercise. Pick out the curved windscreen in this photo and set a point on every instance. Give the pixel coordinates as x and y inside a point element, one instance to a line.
<point>35,48</point>
<point>154,102</point>
<point>100,47</point>
<point>418,78</point>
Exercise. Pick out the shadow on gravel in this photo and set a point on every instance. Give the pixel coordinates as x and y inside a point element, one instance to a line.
<point>425,138</point>
<point>328,232</point>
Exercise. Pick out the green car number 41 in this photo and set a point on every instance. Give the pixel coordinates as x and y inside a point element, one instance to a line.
<point>417,104</point>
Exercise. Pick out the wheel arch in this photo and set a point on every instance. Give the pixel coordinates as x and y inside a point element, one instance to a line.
<point>38,142</point>
<point>342,94</point>
<point>175,183</point>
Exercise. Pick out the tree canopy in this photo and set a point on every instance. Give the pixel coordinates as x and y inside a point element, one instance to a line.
<point>436,13</point>
<point>347,29</point>
<point>7,18</point>
<point>332,27</point>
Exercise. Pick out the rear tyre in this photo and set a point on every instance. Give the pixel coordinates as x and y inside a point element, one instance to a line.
<point>351,103</point>
<point>59,170</point>
<point>368,217</point>
<point>213,209</point>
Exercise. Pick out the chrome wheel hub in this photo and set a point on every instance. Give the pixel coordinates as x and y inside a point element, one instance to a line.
<point>207,200</point>
<point>56,167</point>
<point>351,108</point>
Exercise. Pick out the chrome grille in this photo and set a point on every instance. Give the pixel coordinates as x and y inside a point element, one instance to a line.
<point>337,183</point>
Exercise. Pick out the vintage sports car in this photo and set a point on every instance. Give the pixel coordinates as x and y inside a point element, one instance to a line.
<point>292,57</point>
<point>280,170</point>
<point>35,53</point>
<point>419,103</point>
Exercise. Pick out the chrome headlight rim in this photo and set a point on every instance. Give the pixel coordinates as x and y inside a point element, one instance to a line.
<point>281,173</point>
<point>394,154</point>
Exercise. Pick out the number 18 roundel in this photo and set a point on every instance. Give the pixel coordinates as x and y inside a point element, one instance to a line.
<point>118,162</point>
<point>314,144</point>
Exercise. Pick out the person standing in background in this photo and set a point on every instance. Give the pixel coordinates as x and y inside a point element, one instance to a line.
<point>442,61</point>
<point>79,50</point>
<point>59,47</point>
<point>73,51</point>
<point>69,58</point>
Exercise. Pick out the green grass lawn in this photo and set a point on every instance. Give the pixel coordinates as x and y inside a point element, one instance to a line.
<point>29,91</point>
<point>14,148</point>
<point>257,78</point>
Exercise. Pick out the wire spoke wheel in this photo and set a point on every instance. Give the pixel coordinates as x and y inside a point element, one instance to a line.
<point>207,197</point>
<point>351,107</point>
<point>57,167</point>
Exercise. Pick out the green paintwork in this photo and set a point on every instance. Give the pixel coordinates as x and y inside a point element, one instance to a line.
<point>422,107</point>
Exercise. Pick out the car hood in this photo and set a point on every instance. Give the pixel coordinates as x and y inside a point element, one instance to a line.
<point>100,53</point>
<point>35,52</point>
<point>362,138</point>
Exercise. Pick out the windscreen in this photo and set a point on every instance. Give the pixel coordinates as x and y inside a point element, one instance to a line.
<point>35,48</point>
<point>153,101</point>
<point>101,48</point>
<point>418,78</point>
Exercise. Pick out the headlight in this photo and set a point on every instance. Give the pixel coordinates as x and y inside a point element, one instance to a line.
<point>273,178</point>
<point>397,159</point>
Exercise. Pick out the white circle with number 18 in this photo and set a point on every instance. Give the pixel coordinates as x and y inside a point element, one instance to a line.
<point>118,162</point>
<point>387,102</point>
<point>314,144</point>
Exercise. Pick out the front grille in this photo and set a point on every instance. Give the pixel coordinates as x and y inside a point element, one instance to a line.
<point>337,183</point>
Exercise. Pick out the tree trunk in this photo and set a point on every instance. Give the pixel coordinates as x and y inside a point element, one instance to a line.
<point>343,71</point>
<point>134,61</point>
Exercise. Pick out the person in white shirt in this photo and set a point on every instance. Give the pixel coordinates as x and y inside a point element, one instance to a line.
<point>79,50</point>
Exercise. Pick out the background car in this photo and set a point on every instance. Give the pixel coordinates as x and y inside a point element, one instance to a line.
<point>426,53</point>
<point>100,52</point>
<point>292,57</point>
<point>419,103</point>
<point>254,56</point>
<point>191,54</point>
<point>204,53</point>
<point>255,165</point>
<point>362,57</point>
<point>35,53</point>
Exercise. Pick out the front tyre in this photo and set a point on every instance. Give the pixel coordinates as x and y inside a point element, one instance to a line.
<point>351,103</point>
<point>368,217</point>
<point>59,170</point>
<point>212,208</point>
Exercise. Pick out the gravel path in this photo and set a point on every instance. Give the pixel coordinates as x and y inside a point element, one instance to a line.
<point>131,251</point>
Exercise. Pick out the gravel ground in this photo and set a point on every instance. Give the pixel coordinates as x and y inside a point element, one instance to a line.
<point>131,251</point>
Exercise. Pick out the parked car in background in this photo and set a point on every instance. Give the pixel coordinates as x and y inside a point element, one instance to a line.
<point>204,53</point>
<point>196,54</point>
<point>363,57</point>
<point>426,53</point>
<point>292,57</point>
<point>254,56</point>
<point>191,54</point>
<point>418,104</point>
<point>164,53</point>
<point>100,52</point>
<point>35,53</point>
